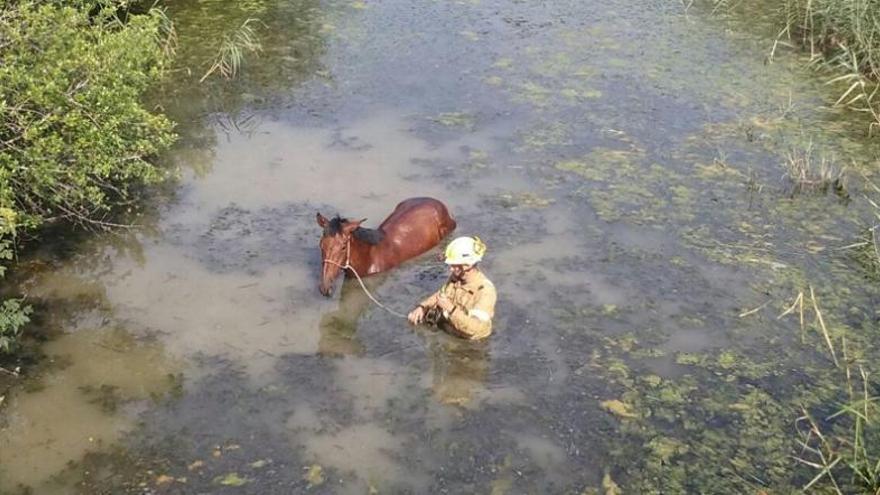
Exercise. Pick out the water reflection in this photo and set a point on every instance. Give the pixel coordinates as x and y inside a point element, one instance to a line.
<point>590,265</point>
<point>338,328</point>
<point>293,39</point>
<point>99,378</point>
<point>367,456</point>
<point>458,368</point>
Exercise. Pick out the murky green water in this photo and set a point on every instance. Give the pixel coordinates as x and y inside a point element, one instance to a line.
<point>622,160</point>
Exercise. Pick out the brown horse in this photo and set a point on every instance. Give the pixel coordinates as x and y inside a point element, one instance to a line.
<point>415,226</point>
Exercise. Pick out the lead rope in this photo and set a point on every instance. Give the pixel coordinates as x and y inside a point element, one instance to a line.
<point>348,266</point>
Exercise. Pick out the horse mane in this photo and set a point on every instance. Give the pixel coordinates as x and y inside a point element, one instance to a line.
<point>370,236</point>
<point>334,226</point>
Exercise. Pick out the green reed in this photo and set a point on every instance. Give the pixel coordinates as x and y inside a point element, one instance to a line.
<point>843,37</point>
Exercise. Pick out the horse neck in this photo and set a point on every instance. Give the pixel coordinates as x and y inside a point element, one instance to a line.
<point>360,255</point>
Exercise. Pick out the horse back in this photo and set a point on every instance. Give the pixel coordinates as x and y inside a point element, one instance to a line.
<point>415,226</point>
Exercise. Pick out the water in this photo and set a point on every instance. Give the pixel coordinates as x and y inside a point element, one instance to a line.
<point>603,152</point>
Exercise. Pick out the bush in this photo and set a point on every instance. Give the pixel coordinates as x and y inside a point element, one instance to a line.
<point>75,139</point>
<point>13,316</point>
<point>76,142</point>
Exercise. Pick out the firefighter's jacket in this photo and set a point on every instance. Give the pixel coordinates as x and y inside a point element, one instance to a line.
<point>474,300</point>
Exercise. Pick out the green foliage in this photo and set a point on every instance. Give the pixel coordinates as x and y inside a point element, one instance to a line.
<point>13,316</point>
<point>75,139</point>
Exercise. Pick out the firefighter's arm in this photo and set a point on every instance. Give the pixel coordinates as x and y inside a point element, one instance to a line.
<point>478,320</point>
<point>430,301</point>
<point>417,315</point>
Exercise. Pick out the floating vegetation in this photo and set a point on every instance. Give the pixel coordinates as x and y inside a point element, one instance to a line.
<point>494,80</point>
<point>619,408</point>
<point>461,120</point>
<point>604,164</point>
<point>544,136</point>
<point>610,486</point>
<point>521,200</point>
<point>841,36</point>
<point>534,93</point>
<point>315,475</point>
<point>503,63</point>
<point>654,339</point>
<point>843,447</point>
<point>557,64</point>
<point>230,479</point>
<point>751,444</point>
<point>866,251</point>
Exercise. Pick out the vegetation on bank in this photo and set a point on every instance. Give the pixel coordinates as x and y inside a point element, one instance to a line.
<point>13,315</point>
<point>76,141</point>
<point>838,439</point>
<point>843,36</point>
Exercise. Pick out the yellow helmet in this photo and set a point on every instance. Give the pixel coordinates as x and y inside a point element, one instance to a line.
<point>465,251</point>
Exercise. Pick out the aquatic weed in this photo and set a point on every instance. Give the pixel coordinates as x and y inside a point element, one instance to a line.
<point>806,173</point>
<point>230,54</point>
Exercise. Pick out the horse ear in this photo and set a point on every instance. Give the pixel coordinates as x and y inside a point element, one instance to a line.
<point>322,222</point>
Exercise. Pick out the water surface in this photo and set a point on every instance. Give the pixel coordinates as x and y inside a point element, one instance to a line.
<point>609,153</point>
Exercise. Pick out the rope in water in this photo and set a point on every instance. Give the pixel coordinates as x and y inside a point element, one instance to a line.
<point>347,266</point>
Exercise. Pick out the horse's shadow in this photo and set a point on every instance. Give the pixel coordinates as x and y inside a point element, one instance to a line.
<point>338,328</point>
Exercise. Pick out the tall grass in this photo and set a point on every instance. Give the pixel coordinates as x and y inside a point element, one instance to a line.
<point>842,36</point>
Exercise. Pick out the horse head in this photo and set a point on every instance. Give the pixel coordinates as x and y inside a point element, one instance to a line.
<point>335,248</point>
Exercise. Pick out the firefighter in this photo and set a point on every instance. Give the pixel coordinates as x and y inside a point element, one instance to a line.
<point>465,305</point>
